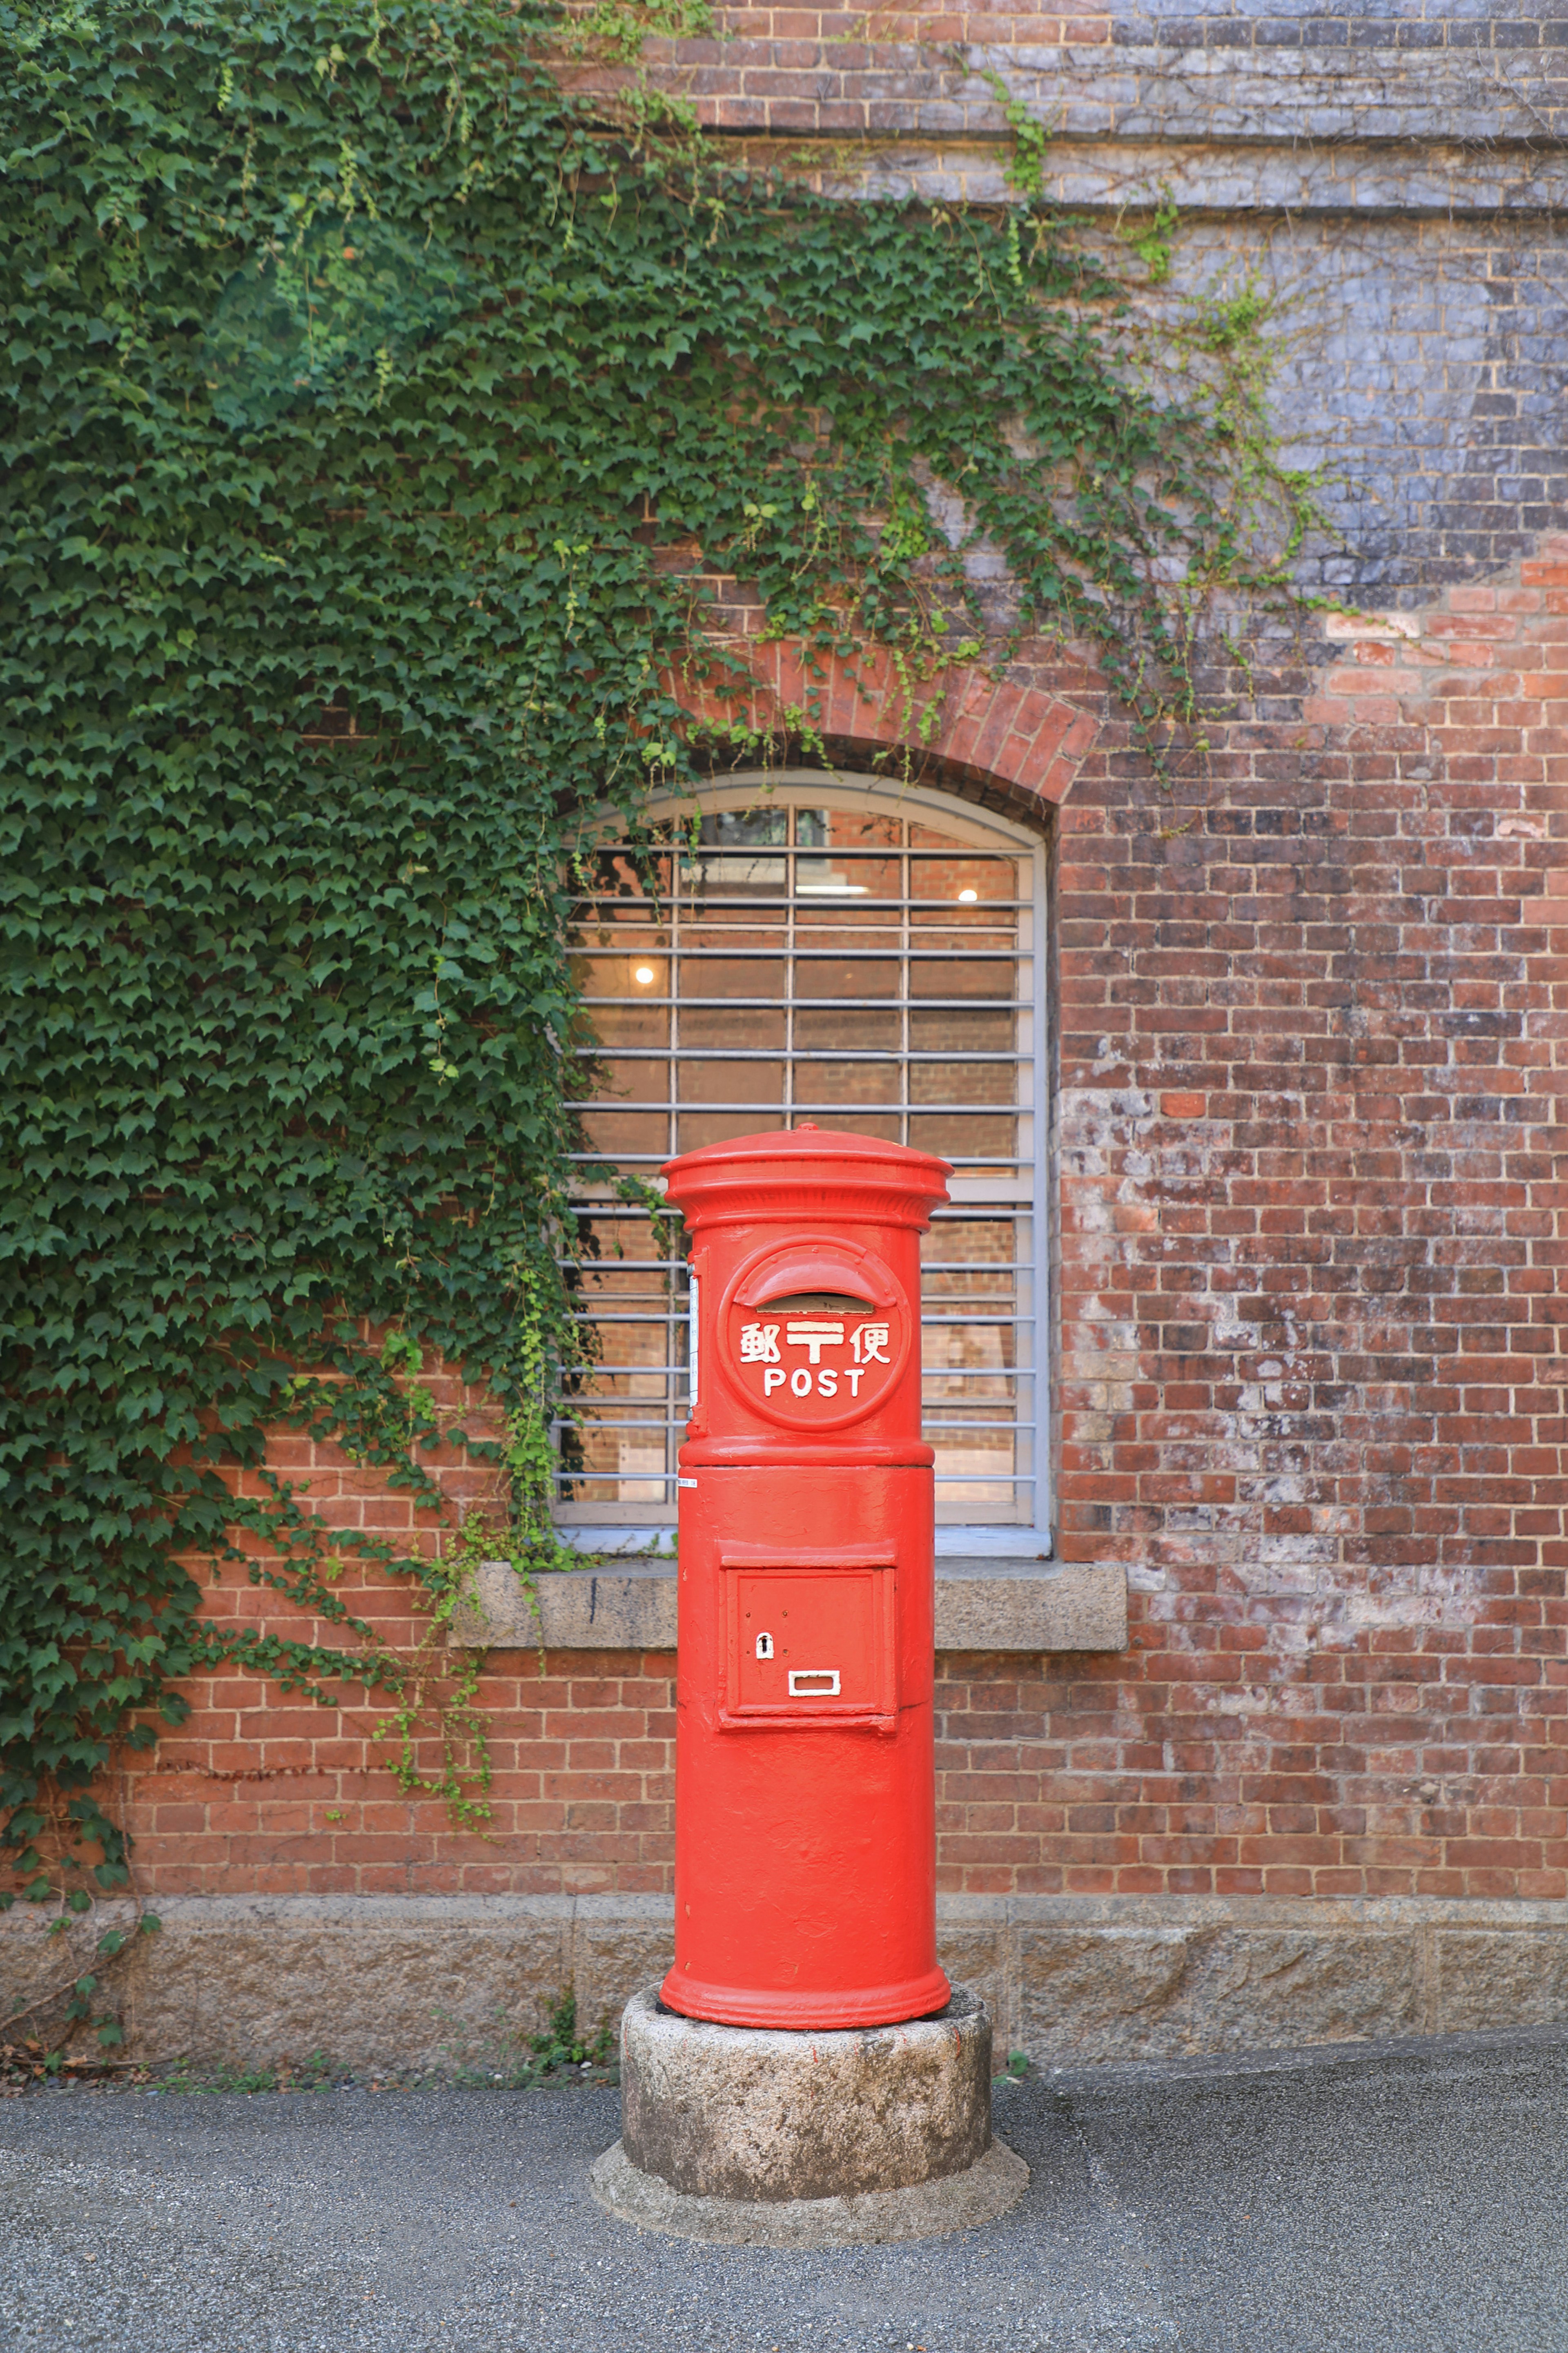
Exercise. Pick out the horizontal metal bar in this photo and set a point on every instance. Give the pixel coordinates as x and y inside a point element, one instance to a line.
<point>773,890</point>
<point>696,1111</point>
<point>594,1268</point>
<point>651,1430</point>
<point>602,1474</point>
<point>968,1164</point>
<point>651,1318</point>
<point>692,867</point>
<point>608,1206</point>
<point>732,951</point>
<point>922,917</point>
<point>780,903</point>
<point>932,1373</point>
<point>681,1373</point>
<point>1017,1416</point>
<point>585,1413</point>
<point>957,1313</point>
<point>887,1056</point>
<point>977,1266</point>
<point>931,1422</point>
<point>661,1414</point>
<point>635,1307</point>
<point>857,882</point>
<point>586,1421</point>
<point>826,1003</point>
<point>706,1105</point>
<point>649,1427</point>
<point>981,1315</point>
<point>681,848</point>
<point>636,1315</point>
<point>954,1313</point>
<point>607,1478</point>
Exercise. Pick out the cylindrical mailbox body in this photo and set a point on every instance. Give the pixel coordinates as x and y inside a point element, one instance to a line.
<point>806,1851</point>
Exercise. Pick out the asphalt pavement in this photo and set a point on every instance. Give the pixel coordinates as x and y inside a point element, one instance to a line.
<point>1410,2196</point>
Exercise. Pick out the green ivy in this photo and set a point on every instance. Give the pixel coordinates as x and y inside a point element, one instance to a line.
<point>362,393</point>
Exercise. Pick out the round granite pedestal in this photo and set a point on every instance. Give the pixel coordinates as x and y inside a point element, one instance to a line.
<point>753,2136</point>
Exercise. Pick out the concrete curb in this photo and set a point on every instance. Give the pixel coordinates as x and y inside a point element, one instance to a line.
<point>927,2209</point>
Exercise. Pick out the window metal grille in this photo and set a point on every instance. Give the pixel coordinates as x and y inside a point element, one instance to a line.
<point>869,959</point>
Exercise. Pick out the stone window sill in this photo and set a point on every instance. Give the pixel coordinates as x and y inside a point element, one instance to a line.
<point>981,1605</point>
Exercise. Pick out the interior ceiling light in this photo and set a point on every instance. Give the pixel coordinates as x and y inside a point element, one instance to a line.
<point>833,890</point>
<point>968,897</point>
<point>644,975</point>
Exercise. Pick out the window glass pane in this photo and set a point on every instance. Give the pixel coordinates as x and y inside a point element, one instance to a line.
<point>710,972</point>
<point>800,958</point>
<point>706,1079</point>
<point>958,1030</point>
<point>827,1080</point>
<point>834,1030</point>
<point>841,828</point>
<point>977,977</point>
<point>960,1135</point>
<point>849,979</point>
<point>844,923</point>
<point>731,829</point>
<point>969,889</point>
<point>693,1129</point>
<point>829,888</point>
<point>626,1135</point>
<point>729,1028</point>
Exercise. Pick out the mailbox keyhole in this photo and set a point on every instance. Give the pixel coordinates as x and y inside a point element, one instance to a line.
<point>765,1646</point>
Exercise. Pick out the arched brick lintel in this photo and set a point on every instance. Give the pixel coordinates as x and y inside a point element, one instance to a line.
<point>986,731</point>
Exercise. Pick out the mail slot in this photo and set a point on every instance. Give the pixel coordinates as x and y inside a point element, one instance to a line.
<point>805,1867</point>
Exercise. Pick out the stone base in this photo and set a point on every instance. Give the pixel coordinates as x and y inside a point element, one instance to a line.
<point>755,2134</point>
<point>926,2209</point>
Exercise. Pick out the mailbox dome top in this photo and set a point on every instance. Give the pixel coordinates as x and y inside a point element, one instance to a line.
<point>811,1172</point>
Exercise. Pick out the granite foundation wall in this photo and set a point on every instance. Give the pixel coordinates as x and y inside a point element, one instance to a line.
<point>455,1982</point>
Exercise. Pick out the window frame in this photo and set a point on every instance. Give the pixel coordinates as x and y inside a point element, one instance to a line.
<point>982,829</point>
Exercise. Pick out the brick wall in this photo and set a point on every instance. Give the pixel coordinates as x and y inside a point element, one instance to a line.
<point>1309,1387</point>
<point>1310,1383</point>
<point>1311,1008</point>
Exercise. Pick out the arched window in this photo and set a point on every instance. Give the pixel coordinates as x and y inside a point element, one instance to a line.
<point>868,956</point>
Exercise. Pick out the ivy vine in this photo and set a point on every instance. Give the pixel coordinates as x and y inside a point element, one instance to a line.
<point>364,399</point>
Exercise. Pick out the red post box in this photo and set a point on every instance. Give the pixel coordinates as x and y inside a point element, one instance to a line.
<point>805,1848</point>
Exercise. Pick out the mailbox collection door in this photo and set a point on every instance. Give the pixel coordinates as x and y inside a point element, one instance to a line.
<point>805,1869</point>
